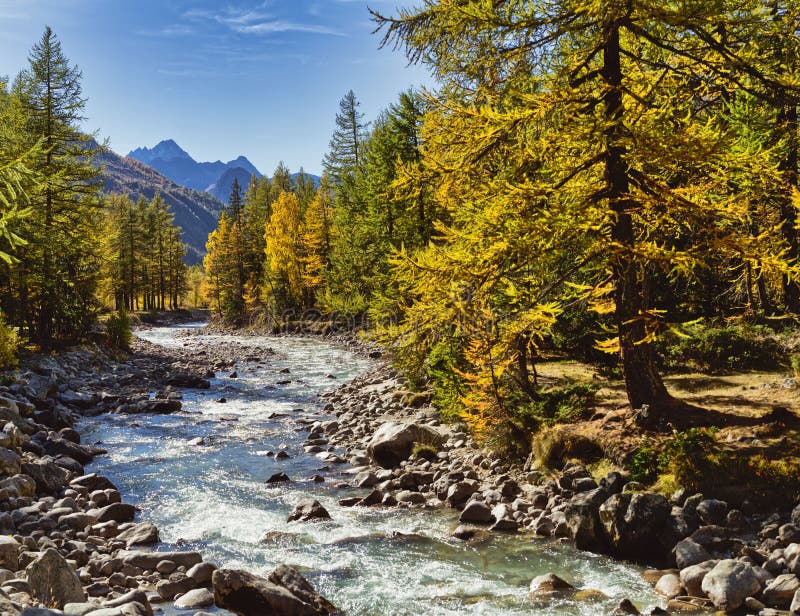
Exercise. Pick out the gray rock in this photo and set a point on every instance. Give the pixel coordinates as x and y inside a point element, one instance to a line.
<point>177,584</point>
<point>135,596</point>
<point>549,584</point>
<point>633,524</point>
<point>9,553</point>
<point>688,552</point>
<point>48,476</point>
<point>9,462</point>
<point>201,573</point>
<point>476,512</point>
<point>249,595</point>
<point>53,581</point>
<point>197,598</point>
<point>119,512</point>
<point>712,512</point>
<point>143,533</point>
<point>729,583</point>
<point>692,577</point>
<point>794,608</point>
<point>669,586</point>
<point>291,580</point>
<point>307,510</point>
<point>393,442</point>
<point>79,609</point>
<point>780,591</point>
<point>149,560</point>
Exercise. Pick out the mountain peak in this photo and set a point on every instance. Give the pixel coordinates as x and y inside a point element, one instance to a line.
<point>166,150</point>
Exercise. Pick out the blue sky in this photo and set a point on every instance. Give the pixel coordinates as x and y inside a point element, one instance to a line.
<point>259,78</point>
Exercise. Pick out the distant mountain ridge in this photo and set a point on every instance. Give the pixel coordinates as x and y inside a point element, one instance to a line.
<point>172,161</point>
<point>196,212</point>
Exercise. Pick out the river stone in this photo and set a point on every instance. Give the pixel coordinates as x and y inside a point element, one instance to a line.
<point>135,596</point>
<point>692,577</point>
<point>548,584</point>
<point>177,584</point>
<point>476,512</point>
<point>291,580</point>
<point>48,476</point>
<point>712,512</point>
<point>392,442</point>
<point>201,573</point>
<point>9,462</point>
<point>307,510</point>
<point>53,581</point>
<point>143,533</point>
<point>669,586</point>
<point>794,608</point>
<point>688,552</point>
<point>249,595</point>
<point>633,523</point>
<point>278,478</point>
<point>9,553</point>
<point>199,597</point>
<point>93,482</point>
<point>780,591</point>
<point>729,583</point>
<point>119,512</point>
<point>149,560</point>
<point>79,609</point>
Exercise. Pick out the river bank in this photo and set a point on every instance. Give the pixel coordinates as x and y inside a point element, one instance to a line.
<point>355,450</point>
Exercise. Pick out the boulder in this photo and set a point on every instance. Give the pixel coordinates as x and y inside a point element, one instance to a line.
<point>549,584</point>
<point>688,552</point>
<point>9,553</point>
<point>780,591</point>
<point>135,596</point>
<point>177,584</point>
<point>669,586</point>
<point>393,442</point>
<point>250,595</point>
<point>301,588</point>
<point>692,577</point>
<point>119,512</point>
<point>729,583</point>
<point>307,510</point>
<point>49,477</point>
<point>93,482</point>
<point>143,533</point>
<point>201,573</point>
<point>189,381</point>
<point>9,462</point>
<point>633,524</point>
<point>583,521</point>
<point>197,598</point>
<point>476,512</point>
<point>149,560</point>
<point>53,581</point>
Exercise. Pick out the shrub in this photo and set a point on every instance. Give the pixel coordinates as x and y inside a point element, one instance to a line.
<point>118,331</point>
<point>9,345</point>
<point>690,458</point>
<point>425,451</point>
<point>721,348</point>
<point>567,404</point>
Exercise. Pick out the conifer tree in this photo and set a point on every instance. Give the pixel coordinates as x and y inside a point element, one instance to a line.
<point>59,278</point>
<point>344,153</point>
<point>283,250</point>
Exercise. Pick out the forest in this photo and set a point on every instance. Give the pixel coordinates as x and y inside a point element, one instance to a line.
<point>609,182</point>
<point>605,182</point>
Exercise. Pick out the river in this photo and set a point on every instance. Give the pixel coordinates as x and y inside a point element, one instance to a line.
<point>212,497</point>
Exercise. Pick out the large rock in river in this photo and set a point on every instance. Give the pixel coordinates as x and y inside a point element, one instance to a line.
<point>634,525</point>
<point>729,583</point>
<point>53,581</point>
<point>392,442</point>
<point>250,595</point>
<point>48,476</point>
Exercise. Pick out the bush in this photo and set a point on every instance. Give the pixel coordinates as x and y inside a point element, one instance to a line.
<point>576,332</point>
<point>566,404</point>
<point>118,331</point>
<point>721,349</point>
<point>691,458</point>
<point>9,345</point>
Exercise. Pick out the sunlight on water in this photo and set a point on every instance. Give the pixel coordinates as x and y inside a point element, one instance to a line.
<point>213,498</point>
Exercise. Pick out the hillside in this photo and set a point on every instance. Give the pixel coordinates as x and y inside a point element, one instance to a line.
<point>195,212</point>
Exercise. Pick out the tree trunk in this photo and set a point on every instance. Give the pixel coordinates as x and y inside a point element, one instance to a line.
<point>643,383</point>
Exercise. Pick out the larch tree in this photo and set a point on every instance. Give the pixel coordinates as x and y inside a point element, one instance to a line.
<point>283,251</point>
<point>59,274</point>
<point>595,106</point>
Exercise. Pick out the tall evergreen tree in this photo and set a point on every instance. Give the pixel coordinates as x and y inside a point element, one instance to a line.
<point>344,153</point>
<point>58,275</point>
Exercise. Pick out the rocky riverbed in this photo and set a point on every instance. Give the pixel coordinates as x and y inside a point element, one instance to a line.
<point>68,543</point>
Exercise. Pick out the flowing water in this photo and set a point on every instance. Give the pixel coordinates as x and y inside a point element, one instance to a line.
<point>213,498</point>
